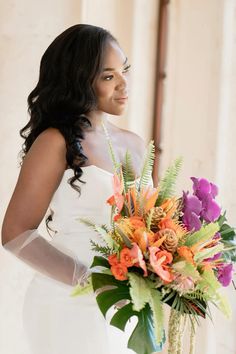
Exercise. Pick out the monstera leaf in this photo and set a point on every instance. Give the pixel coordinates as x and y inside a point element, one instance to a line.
<point>143,338</point>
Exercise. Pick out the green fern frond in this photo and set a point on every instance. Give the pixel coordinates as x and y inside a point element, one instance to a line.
<point>87,222</point>
<point>104,250</point>
<point>128,171</point>
<point>197,294</point>
<point>146,173</point>
<point>167,183</point>
<point>116,164</point>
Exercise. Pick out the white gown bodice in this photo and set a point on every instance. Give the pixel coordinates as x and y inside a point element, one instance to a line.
<point>68,206</point>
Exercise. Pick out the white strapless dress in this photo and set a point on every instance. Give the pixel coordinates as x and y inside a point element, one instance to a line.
<point>55,322</point>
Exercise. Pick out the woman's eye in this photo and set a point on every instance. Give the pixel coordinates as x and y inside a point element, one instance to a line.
<point>126,69</point>
<point>108,78</point>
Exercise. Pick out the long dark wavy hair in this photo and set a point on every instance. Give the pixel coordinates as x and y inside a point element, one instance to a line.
<point>64,94</point>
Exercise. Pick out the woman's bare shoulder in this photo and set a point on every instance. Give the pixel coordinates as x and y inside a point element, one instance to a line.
<point>52,136</point>
<point>135,141</point>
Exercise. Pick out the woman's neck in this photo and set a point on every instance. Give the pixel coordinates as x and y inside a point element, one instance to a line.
<point>97,119</point>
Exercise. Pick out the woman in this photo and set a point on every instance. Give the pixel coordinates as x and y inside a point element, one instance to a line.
<point>83,78</point>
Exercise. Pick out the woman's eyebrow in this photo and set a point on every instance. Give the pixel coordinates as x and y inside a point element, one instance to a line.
<point>112,69</point>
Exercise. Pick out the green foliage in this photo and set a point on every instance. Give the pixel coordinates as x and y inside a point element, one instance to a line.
<point>116,164</point>
<point>229,241</point>
<point>106,237</point>
<point>208,252</point>
<point>124,237</point>
<point>223,305</point>
<point>143,339</point>
<point>100,262</point>
<point>85,289</point>
<point>146,173</point>
<point>104,250</point>
<point>204,234</point>
<point>102,231</point>
<point>196,307</point>
<point>158,316</point>
<point>185,268</point>
<point>167,183</point>
<point>209,283</point>
<point>139,291</point>
<point>128,171</point>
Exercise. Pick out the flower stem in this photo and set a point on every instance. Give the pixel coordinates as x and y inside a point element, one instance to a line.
<point>174,333</point>
<point>192,337</point>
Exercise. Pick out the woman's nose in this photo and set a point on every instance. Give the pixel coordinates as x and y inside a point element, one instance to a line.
<point>122,83</point>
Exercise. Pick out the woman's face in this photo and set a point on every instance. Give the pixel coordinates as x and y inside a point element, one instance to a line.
<point>111,86</point>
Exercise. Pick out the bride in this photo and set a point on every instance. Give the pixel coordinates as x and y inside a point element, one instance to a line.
<point>66,168</point>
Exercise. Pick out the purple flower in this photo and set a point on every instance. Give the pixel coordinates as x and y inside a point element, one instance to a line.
<point>225,273</point>
<point>206,192</point>
<point>211,210</point>
<point>214,258</point>
<point>192,210</point>
<point>202,188</point>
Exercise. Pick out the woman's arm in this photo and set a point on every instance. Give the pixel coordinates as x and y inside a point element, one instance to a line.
<point>40,175</point>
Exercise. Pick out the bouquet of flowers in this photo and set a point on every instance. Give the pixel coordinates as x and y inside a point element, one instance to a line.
<point>161,249</point>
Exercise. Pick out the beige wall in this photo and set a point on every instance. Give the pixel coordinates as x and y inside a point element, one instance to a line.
<point>26,29</point>
<point>199,119</point>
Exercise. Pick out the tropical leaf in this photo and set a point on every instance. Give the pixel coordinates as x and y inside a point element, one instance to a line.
<point>187,269</point>
<point>158,316</point>
<point>222,218</point>
<point>167,183</point>
<point>204,234</point>
<point>209,283</point>
<point>121,317</point>
<point>146,173</point>
<point>143,340</point>
<point>184,305</point>
<point>228,239</point>
<point>223,305</point>
<point>80,290</point>
<point>87,222</point>
<point>100,262</point>
<point>208,252</point>
<point>143,337</point>
<point>124,237</point>
<point>227,232</point>
<point>139,291</point>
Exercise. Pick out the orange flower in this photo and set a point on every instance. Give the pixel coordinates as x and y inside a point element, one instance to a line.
<point>117,198</point>
<point>126,257</point>
<point>149,195</point>
<point>116,217</point>
<point>137,221</point>
<point>119,271</point>
<point>159,260</point>
<point>169,206</point>
<point>168,223</point>
<point>111,200</point>
<point>112,259</point>
<point>140,237</point>
<point>186,253</point>
<point>138,258</point>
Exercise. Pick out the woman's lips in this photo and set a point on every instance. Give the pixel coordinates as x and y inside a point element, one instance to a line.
<point>122,99</point>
